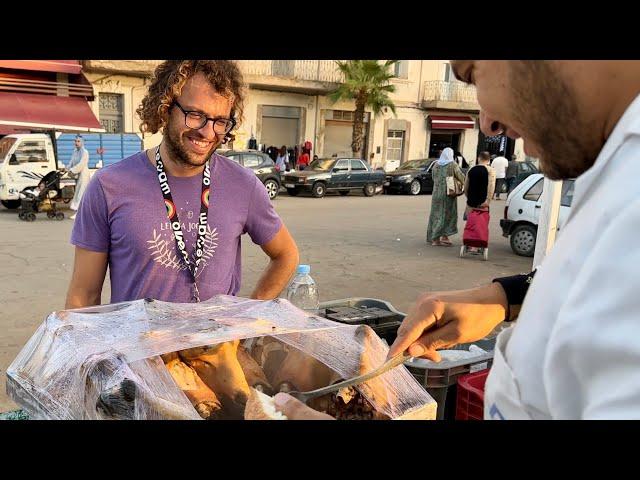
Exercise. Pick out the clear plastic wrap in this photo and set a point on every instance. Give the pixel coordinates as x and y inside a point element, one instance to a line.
<point>105,362</point>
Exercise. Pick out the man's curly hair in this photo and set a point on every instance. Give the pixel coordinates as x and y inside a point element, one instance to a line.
<point>169,79</point>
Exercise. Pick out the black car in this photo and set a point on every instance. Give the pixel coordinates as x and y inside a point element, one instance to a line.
<point>334,174</point>
<point>525,169</point>
<point>262,166</point>
<point>413,177</point>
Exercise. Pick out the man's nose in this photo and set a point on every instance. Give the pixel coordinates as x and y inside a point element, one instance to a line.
<point>208,132</point>
<point>490,126</point>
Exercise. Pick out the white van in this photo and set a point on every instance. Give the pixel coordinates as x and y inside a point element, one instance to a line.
<point>24,160</point>
<point>522,212</point>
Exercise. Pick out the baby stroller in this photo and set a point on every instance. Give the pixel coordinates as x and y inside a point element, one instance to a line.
<point>44,197</point>
<point>475,238</point>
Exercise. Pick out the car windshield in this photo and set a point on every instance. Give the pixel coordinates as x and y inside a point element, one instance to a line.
<point>5,145</point>
<point>324,164</point>
<point>415,164</point>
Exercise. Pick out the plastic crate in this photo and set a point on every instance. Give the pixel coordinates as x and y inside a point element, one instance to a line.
<point>470,397</point>
<point>441,379</point>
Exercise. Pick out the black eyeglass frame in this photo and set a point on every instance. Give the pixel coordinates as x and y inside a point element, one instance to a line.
<point>231,122</point>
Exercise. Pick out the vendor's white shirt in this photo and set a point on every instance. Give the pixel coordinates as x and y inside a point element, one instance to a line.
<point>575,349</point>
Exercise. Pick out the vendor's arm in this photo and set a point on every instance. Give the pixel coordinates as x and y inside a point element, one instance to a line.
<point>439,320</point>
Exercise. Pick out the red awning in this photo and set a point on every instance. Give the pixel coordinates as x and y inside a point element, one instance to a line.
<point>451,122</point>
<point>48,112</point>
<point>59,66</point>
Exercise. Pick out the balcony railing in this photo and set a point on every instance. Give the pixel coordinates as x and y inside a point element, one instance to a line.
<point>456,92</point>
<point>311,70</point>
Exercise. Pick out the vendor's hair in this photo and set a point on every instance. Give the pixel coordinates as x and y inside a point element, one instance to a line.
<point>169,79</point>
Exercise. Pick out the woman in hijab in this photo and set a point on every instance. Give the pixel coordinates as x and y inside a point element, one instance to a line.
<point>79,167</point>
<point>443,219</point>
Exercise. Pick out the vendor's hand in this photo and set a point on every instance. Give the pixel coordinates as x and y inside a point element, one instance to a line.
<point>296,410</point>
<point>443,319</point>
<point>484,205</point>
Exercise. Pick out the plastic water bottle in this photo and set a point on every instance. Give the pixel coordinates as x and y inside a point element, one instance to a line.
<point>302,291</point>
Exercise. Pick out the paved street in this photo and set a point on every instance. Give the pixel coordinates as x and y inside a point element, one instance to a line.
<point>356,246</point>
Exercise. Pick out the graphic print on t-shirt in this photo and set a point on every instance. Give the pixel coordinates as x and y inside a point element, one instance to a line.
<point>163,244</point>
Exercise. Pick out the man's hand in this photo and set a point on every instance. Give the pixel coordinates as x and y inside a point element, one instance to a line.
<point>443,319</point>
<point>296,410</point>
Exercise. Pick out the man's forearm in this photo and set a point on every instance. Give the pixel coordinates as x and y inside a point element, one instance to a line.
<point>82,299</point>
<point>275,277</point>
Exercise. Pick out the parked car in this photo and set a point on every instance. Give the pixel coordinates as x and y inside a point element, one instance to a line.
<point>525,169</point>
<point>334,174</point>
<point>522,212</point>
<point>262,166</point>
<point>412,177</point>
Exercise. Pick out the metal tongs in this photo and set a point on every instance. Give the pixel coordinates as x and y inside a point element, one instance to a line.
<point>393,362</point>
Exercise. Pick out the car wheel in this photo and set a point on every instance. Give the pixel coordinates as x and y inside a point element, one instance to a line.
<point>51,214</point>
<point>369,189</point>
<point>272,188</point>
<point>344,193</point>
<point>59,216</point>
<point>11,204</point>
<point>319,189</point>
<point>415,187</point>
<point>523,240</point>
<point>292,191</point>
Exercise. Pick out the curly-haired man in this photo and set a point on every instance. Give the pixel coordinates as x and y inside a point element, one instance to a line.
<point>167,221</point>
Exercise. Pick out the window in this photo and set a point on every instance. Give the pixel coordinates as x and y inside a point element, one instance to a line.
<point>395,144</point>
<point>446,72</point>
<point>31,151</point>
<point>112,112</point>
<point>343,115</point>
<point>251,161</point>
<point>342,166</point>
<point>401,69</point>
<point>282,68</point>
<point>534,192</point>
<point>358,166</point>
<point>567,193</point>
<point>526,168</point>
<point>5,145</point>
<point>235,158</point>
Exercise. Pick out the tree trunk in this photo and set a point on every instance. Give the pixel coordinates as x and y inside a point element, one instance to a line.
<point>358,127</point>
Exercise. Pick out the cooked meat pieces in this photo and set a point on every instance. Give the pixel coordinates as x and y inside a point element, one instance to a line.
<point>219,368</point>
<point>252,372</point>
<point>201,397</point>
<point>302,372</point>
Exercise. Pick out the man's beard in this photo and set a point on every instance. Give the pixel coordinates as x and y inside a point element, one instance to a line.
<point>173,140</point>
<point>546,105</point>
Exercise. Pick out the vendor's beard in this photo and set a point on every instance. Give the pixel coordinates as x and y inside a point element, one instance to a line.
<point>543,101</point>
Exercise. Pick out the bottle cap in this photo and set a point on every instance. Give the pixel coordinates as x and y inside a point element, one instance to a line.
<point>304,269</point>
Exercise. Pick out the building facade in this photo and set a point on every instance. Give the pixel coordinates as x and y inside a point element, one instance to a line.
<point>287,103</point>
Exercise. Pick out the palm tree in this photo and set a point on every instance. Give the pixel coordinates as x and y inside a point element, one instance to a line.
<point>368,83</point>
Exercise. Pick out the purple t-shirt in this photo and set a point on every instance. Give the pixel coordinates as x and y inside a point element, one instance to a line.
<point>123,214</point>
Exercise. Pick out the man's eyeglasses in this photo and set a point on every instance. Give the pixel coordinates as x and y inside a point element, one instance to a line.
<point>197,120</point>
